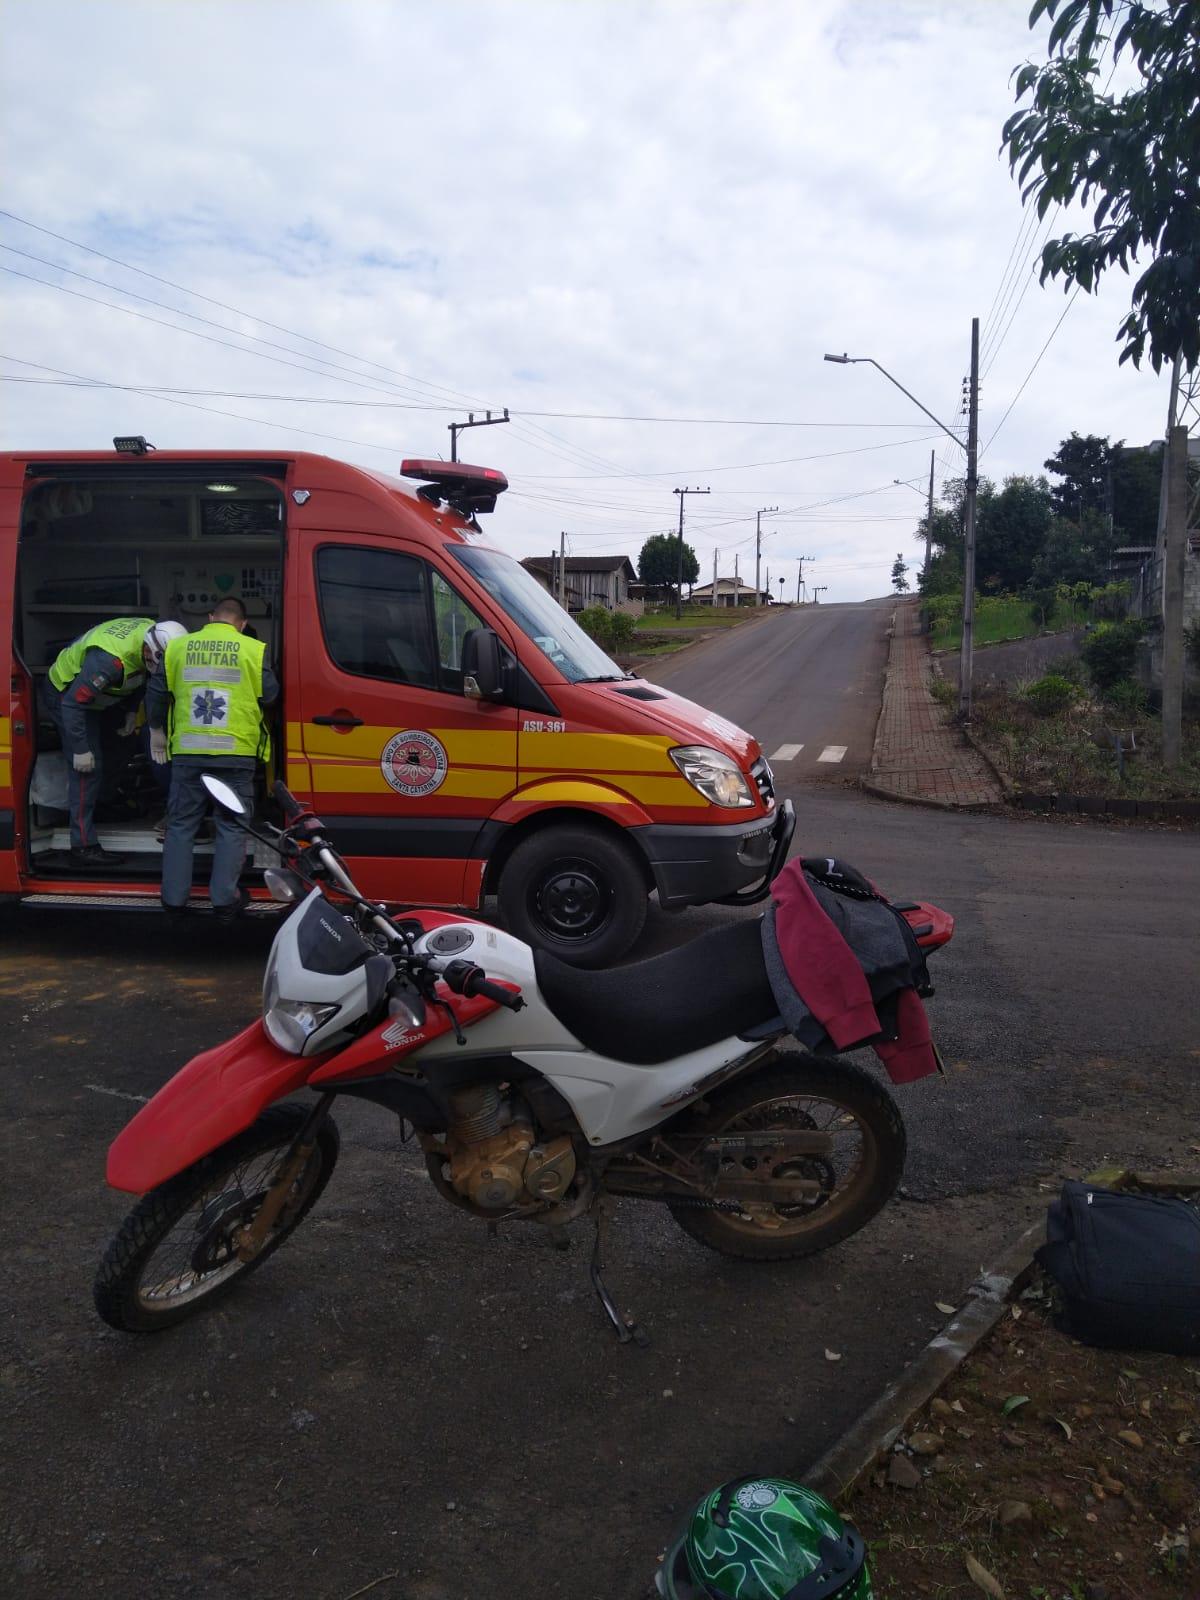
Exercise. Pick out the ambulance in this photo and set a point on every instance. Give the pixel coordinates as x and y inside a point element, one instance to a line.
<point>458,733</point>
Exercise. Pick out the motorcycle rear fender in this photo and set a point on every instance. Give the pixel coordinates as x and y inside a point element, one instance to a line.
<point>217,1095</point>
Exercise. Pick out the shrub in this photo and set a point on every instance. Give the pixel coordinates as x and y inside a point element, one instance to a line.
<point>597,623</point>
<point>1126,701</point>
<point>1110,652</point>
<point>1050,695</point>
<point>621,629</point>
<point>943,691</point>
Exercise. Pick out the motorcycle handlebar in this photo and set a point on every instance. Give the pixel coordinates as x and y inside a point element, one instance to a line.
<point>467,979</point>
<point>286,801</point>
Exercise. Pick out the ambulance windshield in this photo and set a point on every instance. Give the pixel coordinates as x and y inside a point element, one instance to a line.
<point>537,614</point>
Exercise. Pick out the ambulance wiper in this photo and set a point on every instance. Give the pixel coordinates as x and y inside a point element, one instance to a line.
<point>606,677</point>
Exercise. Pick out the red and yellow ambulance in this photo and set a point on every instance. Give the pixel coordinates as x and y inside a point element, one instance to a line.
<point>458,733</point>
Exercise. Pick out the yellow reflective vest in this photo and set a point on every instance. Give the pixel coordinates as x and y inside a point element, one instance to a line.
<point>215,678</point>
<point>122,639</point>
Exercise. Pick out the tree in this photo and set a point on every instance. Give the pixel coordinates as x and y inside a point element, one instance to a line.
<point>1111,480</point>
<point>900,574</point>
<point>1083,463</point>
<point>1011,528</point>
<point>1134,161</point>
<point>658,564</point>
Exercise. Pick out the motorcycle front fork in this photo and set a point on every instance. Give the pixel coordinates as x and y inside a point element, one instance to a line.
<point>249,1240</point>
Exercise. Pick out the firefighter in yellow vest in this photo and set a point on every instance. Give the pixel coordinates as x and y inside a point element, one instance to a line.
<point>205,709</point>
<point>97,676</point>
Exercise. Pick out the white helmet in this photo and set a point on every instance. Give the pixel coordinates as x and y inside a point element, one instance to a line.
<point>158,636</point>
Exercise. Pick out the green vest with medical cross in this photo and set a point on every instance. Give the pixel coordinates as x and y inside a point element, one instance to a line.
<point>122,639</point>
<point>215,678</point>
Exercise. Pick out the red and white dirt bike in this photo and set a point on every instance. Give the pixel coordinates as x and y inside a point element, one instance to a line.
<point>536,1090</point>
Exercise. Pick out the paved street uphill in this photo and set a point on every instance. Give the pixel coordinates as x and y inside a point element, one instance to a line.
<point>398,1397</point>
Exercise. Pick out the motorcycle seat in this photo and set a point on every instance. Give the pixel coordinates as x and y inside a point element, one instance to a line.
<point>711,988</point>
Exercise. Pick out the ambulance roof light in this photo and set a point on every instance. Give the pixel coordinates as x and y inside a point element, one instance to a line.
<point>466,488</point>
<point>131,444</point>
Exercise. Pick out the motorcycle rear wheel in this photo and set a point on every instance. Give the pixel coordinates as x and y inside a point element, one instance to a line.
<point>173,1254</point>
<point>869,1148</point>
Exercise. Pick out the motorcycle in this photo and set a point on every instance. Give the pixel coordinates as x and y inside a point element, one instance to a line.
<point>537,1092</point>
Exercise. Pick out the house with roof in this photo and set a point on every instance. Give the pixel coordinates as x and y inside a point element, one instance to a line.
<point>587,581</point>
<point>730,592</point>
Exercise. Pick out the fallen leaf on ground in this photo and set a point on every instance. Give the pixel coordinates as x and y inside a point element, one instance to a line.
<point>1016,1313</point>
<point>940,1305</point>
<point>1014,1402</point>
<point>1065,1426</point>
<point>983,1579</point>
<point>833,1355</point>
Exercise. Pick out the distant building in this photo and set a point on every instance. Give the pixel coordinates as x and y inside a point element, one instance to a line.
<point>730,592</point>
<point>590,581</point>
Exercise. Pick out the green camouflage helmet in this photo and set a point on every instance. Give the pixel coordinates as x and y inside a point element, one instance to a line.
<point>765,1539</point>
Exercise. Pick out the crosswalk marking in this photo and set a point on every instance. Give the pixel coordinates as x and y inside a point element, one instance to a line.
<point>787,752</point>
<point>832,752</point>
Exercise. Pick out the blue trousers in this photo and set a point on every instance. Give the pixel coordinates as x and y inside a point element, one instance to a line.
<point>187,807</point>
<point>83,788</point>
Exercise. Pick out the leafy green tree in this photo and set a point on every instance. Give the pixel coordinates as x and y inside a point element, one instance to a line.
<point>1110,480</point>
<point>1011,528</point>
<point>1082,465</point>
<point>900,574</point>
<point>1134,161</point>
<point>658,563</point>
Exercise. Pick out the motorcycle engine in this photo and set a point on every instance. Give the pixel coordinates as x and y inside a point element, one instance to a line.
<point>495,1160</point>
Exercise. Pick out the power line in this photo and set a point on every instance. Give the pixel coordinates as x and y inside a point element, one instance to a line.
<point>1033,368</point>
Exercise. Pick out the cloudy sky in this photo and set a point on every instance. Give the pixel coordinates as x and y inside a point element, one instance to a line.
<point>372,216</point>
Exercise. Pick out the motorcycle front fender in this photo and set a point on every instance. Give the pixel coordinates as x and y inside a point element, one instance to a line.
<point>218,1094</point>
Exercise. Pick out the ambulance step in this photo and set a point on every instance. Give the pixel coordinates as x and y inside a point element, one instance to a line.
<point>133,902</point>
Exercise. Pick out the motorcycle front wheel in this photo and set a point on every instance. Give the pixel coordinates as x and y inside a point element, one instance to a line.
<point>843,1189</point>
<point>174,1253</point>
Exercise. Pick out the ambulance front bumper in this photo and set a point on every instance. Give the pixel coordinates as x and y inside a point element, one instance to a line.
<point>730,863</point>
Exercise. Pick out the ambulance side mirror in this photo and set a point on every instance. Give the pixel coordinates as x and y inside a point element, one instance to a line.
<point>482,668</point>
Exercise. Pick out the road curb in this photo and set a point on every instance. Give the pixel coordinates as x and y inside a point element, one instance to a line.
<point>881,792</point>
<point>839,1470</point>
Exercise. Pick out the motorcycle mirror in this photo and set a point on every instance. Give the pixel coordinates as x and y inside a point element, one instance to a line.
<point>283,885</point>
<point>223,794</point>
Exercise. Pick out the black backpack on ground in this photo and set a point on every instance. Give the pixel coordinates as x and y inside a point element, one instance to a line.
<point>1128,1266</point>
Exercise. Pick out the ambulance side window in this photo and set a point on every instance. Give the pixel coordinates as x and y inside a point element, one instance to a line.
<point>453,619</point>
<point>375,614</point>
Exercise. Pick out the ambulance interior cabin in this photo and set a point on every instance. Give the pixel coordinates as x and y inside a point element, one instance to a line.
<point>92,548</point>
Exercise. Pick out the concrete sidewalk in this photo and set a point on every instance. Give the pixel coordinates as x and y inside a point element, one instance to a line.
<point>919,754</point>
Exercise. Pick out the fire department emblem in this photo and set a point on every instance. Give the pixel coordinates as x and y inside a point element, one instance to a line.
<point>414,763</point>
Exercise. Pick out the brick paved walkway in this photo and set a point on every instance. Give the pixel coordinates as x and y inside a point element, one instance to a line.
<point>919,753</point>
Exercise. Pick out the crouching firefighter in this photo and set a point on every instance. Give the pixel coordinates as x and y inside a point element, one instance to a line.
<point>205,708</point>
<point>97,676</point>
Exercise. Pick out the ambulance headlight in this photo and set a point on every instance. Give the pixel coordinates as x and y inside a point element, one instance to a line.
<point>716,776</point>
<point>290,1024</point>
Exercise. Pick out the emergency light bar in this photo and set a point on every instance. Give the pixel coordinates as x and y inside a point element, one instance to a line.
<point>465,488</point>
<point>131,444</point>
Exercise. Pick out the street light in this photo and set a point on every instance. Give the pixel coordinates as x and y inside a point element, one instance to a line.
<point>966,659</point>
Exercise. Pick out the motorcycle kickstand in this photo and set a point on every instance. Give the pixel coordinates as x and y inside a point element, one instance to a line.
<point>627,1332</point>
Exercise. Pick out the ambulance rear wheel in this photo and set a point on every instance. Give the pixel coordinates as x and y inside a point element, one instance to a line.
<point>576,892</point>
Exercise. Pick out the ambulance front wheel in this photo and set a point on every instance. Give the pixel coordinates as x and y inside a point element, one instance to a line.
<point>575,891</point>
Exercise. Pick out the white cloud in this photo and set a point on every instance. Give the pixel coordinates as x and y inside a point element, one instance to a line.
<point>580,206</point>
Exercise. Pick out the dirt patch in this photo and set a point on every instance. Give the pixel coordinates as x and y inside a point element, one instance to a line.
<point>1060,1472</point>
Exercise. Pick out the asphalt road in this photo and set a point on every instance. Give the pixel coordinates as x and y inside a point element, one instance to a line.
<point>398,1397</point>
<point>806,682</point>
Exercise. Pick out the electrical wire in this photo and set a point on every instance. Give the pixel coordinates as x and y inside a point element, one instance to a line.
<point>1033,368</point>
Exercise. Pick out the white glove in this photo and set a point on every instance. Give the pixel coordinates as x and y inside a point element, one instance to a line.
<point>158,746</point>
<point>128,726</point>
<point>85,762</point>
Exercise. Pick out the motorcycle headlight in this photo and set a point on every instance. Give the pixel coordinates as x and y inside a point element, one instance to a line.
<point>291,1023</point>
<point>716,776</point>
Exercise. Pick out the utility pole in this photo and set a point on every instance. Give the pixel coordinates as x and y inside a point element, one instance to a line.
<point>737,584</point>
<point>1175,471</point>
<point>967,655</point>
<point>766,511</point>
<point>679,565</point>
<point>562,570</point>
<point>818,588</point>
<point>486,421</point>
<point>768,585</point>
<point>800,574</point>
<point>714,587</point>
<point>929,520</point>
